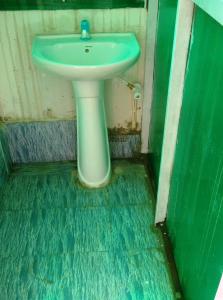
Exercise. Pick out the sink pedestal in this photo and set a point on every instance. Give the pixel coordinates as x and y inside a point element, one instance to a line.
<point>87,63</point>
<point>93,155</point>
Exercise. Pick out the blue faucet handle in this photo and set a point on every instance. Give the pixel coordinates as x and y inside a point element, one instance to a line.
<point>85,25</point>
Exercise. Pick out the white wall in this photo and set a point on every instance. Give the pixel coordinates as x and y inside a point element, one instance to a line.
<point>26,94</point>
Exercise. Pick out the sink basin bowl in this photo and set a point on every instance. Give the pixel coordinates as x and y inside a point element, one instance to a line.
<point>102,57</point>
<point>87,63</point>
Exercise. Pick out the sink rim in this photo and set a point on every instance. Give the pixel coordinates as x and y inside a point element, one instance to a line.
<point>50,38</point>
<point>56,67</point>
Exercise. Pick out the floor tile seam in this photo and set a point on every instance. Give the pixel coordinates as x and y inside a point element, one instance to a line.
<point>45,166</point>
<point>65,171</point>
<point>128,252</point>
<point>71,171</point>
<point>78,207</point>
<point>48,169</point>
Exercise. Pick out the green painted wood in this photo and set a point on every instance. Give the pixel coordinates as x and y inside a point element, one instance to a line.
<point>195,212</point>
<point>214,8</point>
<point>163,53</point>
<point>68,4</point>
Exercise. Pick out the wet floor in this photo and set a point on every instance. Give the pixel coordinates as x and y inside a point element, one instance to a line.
<point>62,241</point>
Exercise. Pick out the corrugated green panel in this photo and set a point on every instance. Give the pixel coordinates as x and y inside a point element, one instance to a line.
<point>67,4</point>
<point>195,213</point>
<point>163,52</point>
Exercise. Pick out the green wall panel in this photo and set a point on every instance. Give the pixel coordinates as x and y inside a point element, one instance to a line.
<point>214,8</point>
<point>163,53</point>
<point>195,212</point>
<point>67,4</point>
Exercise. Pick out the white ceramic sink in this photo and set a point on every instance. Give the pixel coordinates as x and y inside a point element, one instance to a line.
<point>87,63</point>
<point>104,56</point>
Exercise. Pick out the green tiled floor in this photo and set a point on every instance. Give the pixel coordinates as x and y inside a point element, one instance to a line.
<point>62,241</point>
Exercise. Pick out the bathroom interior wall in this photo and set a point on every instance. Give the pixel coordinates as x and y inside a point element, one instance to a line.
<point>163,53</point>
<point>27,94</point>
<point>195,212</point>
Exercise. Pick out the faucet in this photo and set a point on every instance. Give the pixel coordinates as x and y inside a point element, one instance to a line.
<point>85,30</point>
